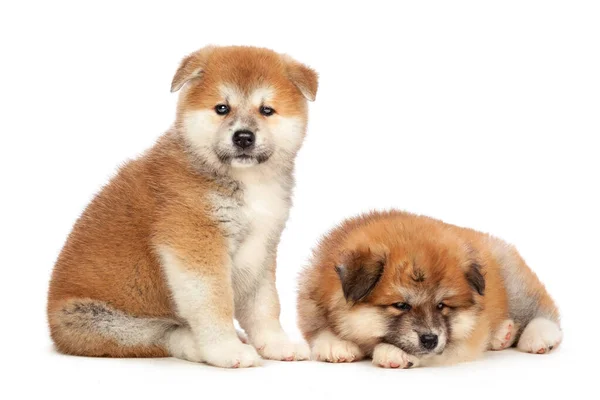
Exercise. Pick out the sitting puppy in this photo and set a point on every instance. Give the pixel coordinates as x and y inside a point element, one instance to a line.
<point>184,239</point>
<point>409,290</point>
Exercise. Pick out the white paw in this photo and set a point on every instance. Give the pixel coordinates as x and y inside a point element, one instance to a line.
<point>277,346</point>
<point>389,356</point>
<point>231,354</point>
<point>540,336</point>
<point>330,348</point>
<point>504,336</point>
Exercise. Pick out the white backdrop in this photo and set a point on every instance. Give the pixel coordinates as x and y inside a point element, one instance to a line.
<point>482,114</point>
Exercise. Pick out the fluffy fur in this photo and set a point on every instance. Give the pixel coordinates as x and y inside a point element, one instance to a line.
<point>410,290</point>
<point>183,239</point>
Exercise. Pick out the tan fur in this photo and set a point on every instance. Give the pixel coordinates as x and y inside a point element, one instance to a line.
<point>420,258</point>
<point>147,270</point>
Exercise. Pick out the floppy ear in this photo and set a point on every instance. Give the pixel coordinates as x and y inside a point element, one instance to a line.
<point>475,278</point>
<point>305,78</point>
<point>191,67</point>
<point>359,273</point>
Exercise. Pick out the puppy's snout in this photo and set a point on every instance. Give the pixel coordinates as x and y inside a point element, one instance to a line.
<point>243,139</point>
<point>429,341</point>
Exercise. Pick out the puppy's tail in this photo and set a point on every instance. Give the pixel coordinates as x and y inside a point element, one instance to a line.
<point>93,328</point>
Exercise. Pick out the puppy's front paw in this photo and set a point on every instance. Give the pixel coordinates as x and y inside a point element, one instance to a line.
<point>277,346</point>
<point>233,354</point>
<point>540,336</point>
<point>330,348</point>
<point>504,336</point>
<point>388,356</point>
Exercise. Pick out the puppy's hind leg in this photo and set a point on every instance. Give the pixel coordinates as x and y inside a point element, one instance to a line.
<point>534,312</point>
<point>540,336</point>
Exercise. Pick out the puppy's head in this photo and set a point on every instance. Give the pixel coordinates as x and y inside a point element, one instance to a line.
<point>243,106</point>
<point>421,293</point>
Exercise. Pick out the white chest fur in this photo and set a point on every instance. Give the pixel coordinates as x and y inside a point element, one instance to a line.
<point>253,219</point>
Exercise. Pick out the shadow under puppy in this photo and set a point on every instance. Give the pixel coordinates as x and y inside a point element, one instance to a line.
<point>184,238</point>
<point>409,290</point>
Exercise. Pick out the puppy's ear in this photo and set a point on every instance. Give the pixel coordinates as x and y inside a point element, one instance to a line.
<point>475,278</point>
<point>359,273</point>
<point>191,67</point>
<point>305,78</point>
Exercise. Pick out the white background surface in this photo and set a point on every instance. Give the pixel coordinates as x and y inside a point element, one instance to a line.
<point>484,115</point>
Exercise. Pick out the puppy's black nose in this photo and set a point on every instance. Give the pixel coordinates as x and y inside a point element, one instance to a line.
<point>243,139</point>
<point>429,341</point>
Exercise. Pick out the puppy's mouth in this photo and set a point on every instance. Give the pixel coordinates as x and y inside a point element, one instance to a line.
<point>421,353</point>
<point>429,353</point>
<point>243,158</point>
<point>416,351</point>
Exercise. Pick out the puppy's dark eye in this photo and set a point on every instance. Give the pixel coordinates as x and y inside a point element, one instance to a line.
<point>441,306</point>
<point>266,111</point>
<point>402,306</point>
<point>222,109</point>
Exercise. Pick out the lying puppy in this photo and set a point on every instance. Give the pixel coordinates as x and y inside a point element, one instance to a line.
<point>183,239</point>
<point>409,290</point>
